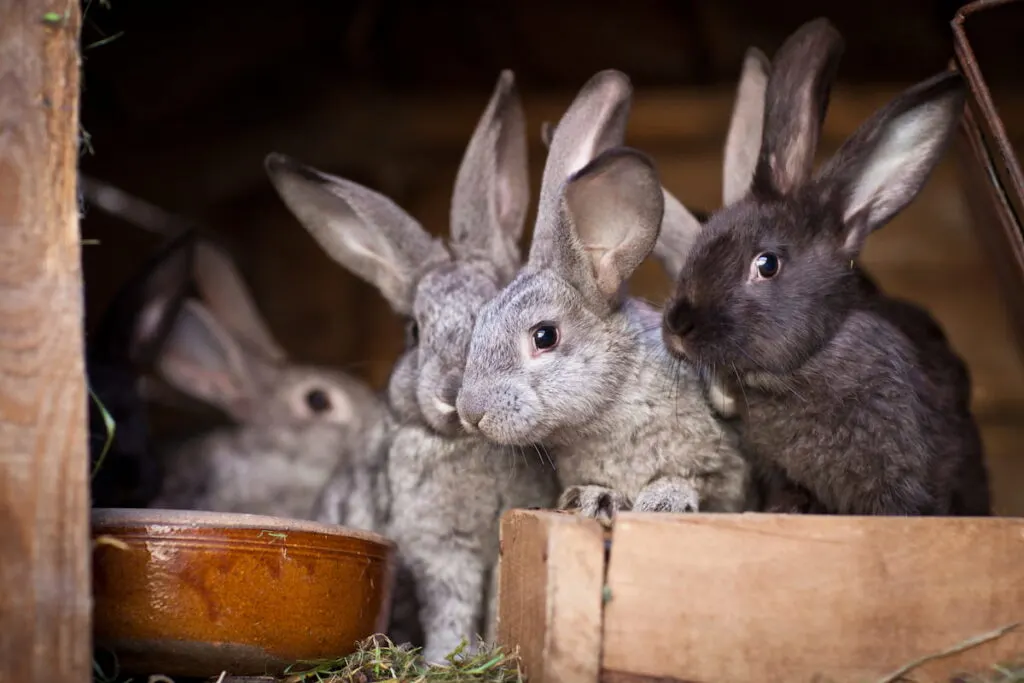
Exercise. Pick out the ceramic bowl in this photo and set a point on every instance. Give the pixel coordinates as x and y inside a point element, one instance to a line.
<point>187,593</point>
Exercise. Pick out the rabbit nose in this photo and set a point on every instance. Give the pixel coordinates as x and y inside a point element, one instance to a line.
<point>679,318</point>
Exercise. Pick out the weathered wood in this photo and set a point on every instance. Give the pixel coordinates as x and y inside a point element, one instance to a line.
<point>44,552</point>
<point>791,598</point>
<point>552,570</point>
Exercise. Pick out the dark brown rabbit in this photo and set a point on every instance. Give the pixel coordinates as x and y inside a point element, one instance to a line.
<point>122,347</point>
<point>850,402</point>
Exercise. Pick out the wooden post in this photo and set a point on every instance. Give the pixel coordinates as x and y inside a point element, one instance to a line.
<point>44,506</point>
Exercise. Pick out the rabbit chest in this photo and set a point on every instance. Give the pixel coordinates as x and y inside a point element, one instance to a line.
<point>660,424</point>
<point>867,430</point>
<point>252,472</point>
<point>460,486</point>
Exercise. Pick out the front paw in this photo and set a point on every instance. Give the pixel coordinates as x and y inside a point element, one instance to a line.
<point>598,502</point>
<point>667,496</point>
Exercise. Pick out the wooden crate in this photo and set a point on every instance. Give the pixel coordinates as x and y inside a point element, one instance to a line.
<point>758,597</point>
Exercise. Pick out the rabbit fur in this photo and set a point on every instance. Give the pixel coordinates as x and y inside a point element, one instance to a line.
<point>629,426</point>
<point>121,349</point>
<point>294,425</point>
<point>448,489</point>
<point>850,402</point>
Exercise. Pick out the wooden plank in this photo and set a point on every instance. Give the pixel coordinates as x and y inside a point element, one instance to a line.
<point>550,600</point>
<point>44,534</point>
<point>790,598</point>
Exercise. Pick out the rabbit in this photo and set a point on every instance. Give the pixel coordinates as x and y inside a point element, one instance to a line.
<point>448,489</point>
<point>294,425</point>
<point>355,493</point>
<point>850,402</point>
<point>562,356</point>
<point>121,349</point>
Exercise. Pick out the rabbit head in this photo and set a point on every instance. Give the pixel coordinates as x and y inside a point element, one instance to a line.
<point>438,287</point>
<point>123,347</point>
<point>545,353</point>
<point>222,354</point>
<point>770,277</point>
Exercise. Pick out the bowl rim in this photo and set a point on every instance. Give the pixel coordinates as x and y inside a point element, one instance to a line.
<point>227,521</point>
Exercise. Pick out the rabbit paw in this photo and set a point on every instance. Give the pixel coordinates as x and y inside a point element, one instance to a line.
<point>667,495</point>
<point>593,501</point>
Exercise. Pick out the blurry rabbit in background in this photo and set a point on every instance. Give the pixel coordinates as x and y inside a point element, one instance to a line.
<point>448,489</point>
<point>295,426</point>
<point>307,441</point>
<point>121,348</point>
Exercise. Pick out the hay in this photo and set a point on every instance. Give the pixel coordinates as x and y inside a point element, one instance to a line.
<point>1005,674</point>
<point>379,660</point>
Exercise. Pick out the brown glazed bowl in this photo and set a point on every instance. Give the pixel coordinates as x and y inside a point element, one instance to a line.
<point>187,593</point>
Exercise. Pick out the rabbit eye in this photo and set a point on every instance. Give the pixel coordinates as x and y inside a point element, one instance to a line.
<point>545,337</point>
<point>412,334</point>
<point>767,265</point>
<point>318,401</point>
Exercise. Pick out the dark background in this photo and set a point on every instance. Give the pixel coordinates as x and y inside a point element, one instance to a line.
<point>183,105</point>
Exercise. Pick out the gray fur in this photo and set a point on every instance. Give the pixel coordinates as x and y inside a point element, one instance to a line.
<point>281,457</point>
<point>625,421</point>
<point>448,490</point>
<point>851,402</point>
<point>281,453</point>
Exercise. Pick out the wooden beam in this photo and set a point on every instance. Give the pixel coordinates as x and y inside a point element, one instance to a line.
<point>44,535</point>
<point>551,573</point>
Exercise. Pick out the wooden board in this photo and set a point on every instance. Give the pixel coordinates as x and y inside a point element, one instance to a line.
<point>790,598</point>
<point>44,551</point>
<point>552,571</point>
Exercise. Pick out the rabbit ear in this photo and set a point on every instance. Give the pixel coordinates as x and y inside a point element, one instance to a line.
<point>679,230</point>
<point>611,215</point>
<point>136,322</point>
<point>202,360</point>
<point>886,162</point>
<point>547,130</point>
<point>163,290</point>
<point>224,291</point>
<point>795,102</point>
<point>492,187</point>
<point>743,141</point>
<point>363,230</point>
<point>595,121</point>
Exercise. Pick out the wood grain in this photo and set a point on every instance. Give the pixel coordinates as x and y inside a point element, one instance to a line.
<point>552,572</point>
<point>44,552</point>
<point>791,598</point>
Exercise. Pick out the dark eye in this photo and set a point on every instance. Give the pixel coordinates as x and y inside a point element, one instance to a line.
<point>767,265</point>
<point>318,401</point>
<point>545,337</point>
<point>412,334</point>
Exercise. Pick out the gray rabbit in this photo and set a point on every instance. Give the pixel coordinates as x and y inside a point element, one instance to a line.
<point>562,356</point>
<point>295,425</point>
<point>850,402</point>
<point>447,489</point>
